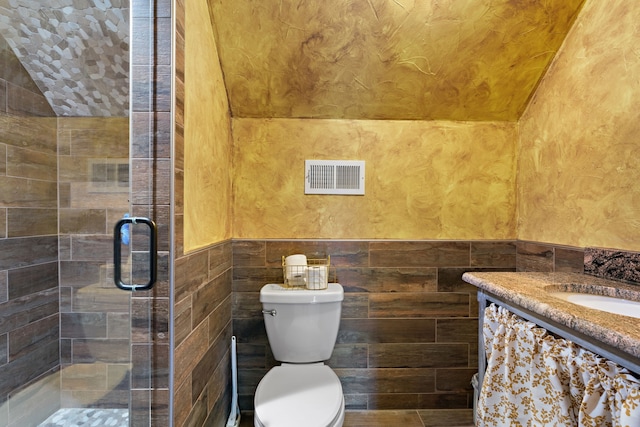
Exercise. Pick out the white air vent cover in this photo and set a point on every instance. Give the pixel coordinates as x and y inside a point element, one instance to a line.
<point>334,177</point>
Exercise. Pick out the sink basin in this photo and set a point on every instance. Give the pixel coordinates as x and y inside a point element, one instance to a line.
<point>609,304</point>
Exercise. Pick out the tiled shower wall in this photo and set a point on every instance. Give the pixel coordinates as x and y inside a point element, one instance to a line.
<point>19,94</point>
<point>151,197</point>
<point>95,316</point>
<point>408,334</point>
<point>29,328</point>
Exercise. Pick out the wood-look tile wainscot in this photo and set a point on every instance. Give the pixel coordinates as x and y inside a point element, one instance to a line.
<point>545,257</point>
<point>408,334</point>
<point>202,328</point>
<point>404,418</point>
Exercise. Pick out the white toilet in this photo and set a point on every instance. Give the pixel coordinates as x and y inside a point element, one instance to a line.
<point>302,326</point>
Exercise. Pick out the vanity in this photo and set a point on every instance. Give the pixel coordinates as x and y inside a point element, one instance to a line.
<point>535,297</point>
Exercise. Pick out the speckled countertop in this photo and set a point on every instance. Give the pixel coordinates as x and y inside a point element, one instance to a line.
<point>529,291</point>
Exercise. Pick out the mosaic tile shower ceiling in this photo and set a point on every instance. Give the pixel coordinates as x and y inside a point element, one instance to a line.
<point>77,52</point>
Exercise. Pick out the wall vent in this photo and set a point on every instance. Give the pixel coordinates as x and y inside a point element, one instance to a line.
<point>344,177</point>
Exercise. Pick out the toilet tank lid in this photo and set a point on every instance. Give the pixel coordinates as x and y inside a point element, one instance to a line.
<point>276,293</point>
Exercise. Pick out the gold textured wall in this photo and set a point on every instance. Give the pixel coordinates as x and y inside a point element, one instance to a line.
<point>382,59</point>
<point>579,161</point>
<point>424,180</point>
<point>207,140</point>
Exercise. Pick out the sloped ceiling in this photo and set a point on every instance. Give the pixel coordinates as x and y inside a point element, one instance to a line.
<point>387,59</point>
<point>76,52</point>
<point>351,59</point>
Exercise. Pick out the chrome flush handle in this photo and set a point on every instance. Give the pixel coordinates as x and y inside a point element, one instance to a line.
<point>271,312</point>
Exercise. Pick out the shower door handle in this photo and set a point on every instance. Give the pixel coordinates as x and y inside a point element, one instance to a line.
<point>153,254</point>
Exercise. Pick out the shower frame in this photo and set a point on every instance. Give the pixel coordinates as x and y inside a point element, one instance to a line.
<point>149,338</point>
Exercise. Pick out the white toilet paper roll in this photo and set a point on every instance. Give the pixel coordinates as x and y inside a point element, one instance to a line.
<point>317,277</point>
<point>296,269</point>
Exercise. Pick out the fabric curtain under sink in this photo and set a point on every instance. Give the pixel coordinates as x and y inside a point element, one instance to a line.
<point>535,379</point>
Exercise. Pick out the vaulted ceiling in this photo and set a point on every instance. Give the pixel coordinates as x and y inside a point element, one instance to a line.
<point>345,59</point>
<point>387,59</point>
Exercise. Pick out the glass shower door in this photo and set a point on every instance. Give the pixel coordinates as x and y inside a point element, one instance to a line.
<point>95,317</point>
<point>73,346</point>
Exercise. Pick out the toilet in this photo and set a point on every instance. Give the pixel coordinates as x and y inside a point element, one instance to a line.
<point>302,327</point>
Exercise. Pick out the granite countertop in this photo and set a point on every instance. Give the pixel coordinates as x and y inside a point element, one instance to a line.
<point>529,291</point>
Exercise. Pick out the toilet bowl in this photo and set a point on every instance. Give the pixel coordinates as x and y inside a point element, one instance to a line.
<point>302,327</point>
<point>308,395</point>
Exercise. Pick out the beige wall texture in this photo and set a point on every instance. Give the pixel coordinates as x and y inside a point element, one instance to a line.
<point>579,161</point>
<point>424,180</point>
<point>381,59</point>
<point>207,171</point>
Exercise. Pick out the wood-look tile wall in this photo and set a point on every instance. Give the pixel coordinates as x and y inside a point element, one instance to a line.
<point>408,334</point>
<point>202,295</point>
<point>95,316</point>
<point>151,197</point>
<point>18,92</point>
<point>546,257</point>
<point>202,318</point>
<point>29,321</point>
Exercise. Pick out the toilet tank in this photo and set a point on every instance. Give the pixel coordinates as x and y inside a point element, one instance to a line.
<point>302,324</point>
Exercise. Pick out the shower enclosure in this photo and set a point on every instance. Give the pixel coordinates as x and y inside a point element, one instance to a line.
<point>78,151</point>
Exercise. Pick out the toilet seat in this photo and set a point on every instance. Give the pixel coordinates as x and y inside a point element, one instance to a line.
<point>307,395</point>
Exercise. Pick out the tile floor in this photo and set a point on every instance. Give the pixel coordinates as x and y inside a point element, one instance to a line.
<point>81,417</point>
<point>416,418</point>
